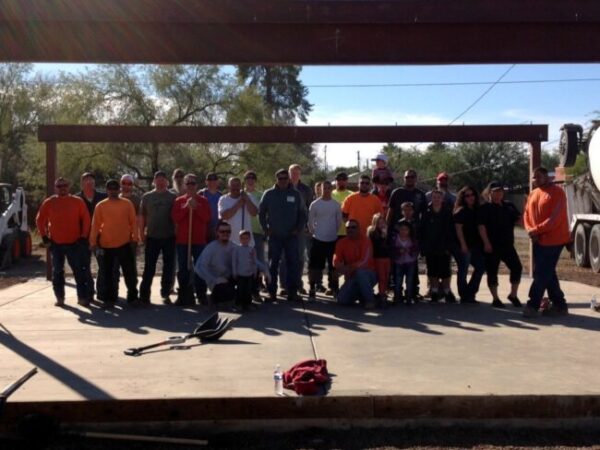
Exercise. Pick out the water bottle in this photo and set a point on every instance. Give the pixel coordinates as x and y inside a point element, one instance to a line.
<point>594,303</point>
<point>278,378</point>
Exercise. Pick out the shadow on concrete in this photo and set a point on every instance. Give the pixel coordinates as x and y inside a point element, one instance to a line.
<point>282,317</point>
<point>61,373</point>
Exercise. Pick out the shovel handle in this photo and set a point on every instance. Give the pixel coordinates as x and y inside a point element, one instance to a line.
<point>137,351</point>
<point>11,388</point>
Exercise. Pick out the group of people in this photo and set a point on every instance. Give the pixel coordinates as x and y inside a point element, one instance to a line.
<point>373,237</point>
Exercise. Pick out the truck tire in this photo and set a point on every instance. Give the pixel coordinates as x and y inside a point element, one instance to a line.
<point>594,248</point>
<point>581,247</point>
<point>568,146</point>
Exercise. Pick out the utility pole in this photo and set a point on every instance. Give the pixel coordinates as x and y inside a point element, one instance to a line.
<point>358,160</point>
<point>325,159</point>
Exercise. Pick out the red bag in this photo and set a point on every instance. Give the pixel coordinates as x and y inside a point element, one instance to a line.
<point>306,377</point>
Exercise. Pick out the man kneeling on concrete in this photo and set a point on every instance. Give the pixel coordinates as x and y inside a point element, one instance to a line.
<point>354,259</point>
<point>214,266</point>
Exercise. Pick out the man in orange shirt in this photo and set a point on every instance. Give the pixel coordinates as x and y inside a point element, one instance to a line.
<point>362,205</point>
<point>354,259</point>
<point>546,222</point>
<point>114,227</point>
<point>64,224</point>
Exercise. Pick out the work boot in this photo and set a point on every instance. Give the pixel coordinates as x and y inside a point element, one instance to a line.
<point>530,313</point>
<point>83,302</point>
<point>515,301</point>
<point>498,304</point>
<point>555,311</point>
<point>449,297</point>
<point>60,302</point>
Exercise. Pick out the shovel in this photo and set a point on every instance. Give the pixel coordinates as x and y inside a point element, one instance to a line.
<point>186,293</point>
<point>210,330</point>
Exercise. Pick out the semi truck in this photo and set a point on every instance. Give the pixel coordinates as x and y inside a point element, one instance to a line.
<point>583,194</point>
<point>15,238</point>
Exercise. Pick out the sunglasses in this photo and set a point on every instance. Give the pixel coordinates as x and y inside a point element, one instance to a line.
<point>225,231</point>
<point>62,185</point>
<point>250,178</point>
<point>190,183</point>
<point>126,183</point>
<point>409,176</point>
<point>365,182</point>
<point>282,178</point>
<point>351,227</point>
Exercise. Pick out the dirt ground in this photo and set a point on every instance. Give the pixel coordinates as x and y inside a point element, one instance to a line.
<point>567,270</point>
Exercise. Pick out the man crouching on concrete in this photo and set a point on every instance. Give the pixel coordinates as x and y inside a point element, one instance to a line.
<point>214,266</point>
<point>354,259</point>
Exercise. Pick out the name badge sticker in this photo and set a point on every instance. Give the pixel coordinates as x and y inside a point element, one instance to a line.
<point>291,199</point>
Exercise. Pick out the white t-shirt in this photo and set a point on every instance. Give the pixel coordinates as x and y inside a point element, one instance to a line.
<point>242,219</point>
<point>324,219</point>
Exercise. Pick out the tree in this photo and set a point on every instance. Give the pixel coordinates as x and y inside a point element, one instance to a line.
<point>22,99</point>
<point>281,89</point>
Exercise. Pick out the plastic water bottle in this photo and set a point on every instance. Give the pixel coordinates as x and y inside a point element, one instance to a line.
<point>594,303</point>
<point>278,378</point>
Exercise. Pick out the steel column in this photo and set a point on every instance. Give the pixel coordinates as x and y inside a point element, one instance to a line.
<point>51,163</point>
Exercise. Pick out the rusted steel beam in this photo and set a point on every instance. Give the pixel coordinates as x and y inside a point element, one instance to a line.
<point>189,43</point>
<point>301,134</point>
<point>302,11</point>
<point>299,32</point>
<point>331,407</point>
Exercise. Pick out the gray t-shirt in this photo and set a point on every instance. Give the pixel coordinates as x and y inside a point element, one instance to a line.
<point>156,209</point>
<point>244,261</point>
<point>215,262</point>
<point>324,219</point>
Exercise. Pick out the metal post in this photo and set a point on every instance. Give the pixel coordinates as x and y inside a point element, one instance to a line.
<point>535,160</point>
<point>50,177</point>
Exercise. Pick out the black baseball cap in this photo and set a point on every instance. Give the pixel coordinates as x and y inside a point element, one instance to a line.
<point>112,184</point>
<point>211,176</point>
<point>160,173</point>
<point>495,185</point>
<point>341,176</point>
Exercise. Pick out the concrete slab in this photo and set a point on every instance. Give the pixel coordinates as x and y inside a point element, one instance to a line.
<point>420,350</point>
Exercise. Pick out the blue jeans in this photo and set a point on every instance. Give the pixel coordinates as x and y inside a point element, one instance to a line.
<point>183,275</point>
<point>151,252</point>
<point>259,245</point>
<point>545,259</point>
<point>468,290</point>
<point>359,287</point>
<point>76,255</point>
<point>287,246</point>
<point>303,248</point>
<point>402,271</point>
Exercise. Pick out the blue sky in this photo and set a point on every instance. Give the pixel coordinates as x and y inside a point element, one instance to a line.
<point>539,103</point>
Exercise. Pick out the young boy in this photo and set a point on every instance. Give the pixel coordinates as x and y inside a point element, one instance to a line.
<point>245,266</point>
<point>381,170</point>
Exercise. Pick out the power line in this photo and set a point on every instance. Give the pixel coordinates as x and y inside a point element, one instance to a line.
<point>458,83</point>
<point>483,95</point>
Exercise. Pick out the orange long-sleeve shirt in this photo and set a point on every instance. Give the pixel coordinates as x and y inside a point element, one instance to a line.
<point>114,223</point>
<point>546,215</point>
<point>64,219</point>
